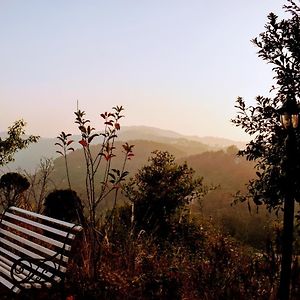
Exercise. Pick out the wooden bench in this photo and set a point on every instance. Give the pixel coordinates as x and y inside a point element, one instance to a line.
<point>34,249</point>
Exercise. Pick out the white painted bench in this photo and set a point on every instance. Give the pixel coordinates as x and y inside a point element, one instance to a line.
<point>34,249</point>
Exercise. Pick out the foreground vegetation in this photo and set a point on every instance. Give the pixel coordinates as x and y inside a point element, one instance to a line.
<point>195,261</point>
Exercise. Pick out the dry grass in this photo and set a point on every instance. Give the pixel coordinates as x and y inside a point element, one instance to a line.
<point>194,262</point>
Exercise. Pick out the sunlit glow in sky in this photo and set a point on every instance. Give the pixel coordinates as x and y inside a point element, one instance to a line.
<point>172,64</point>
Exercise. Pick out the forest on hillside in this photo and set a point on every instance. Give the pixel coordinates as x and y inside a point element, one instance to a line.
<point>222,169</point>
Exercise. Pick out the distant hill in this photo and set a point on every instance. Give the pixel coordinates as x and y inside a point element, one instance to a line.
<point>29,159</point>
<point>218,142</point>
<point>209,157</point>
<point>147,133</point>
<point>220,167</point>
<point>142,150</point>
<point>161,135</point>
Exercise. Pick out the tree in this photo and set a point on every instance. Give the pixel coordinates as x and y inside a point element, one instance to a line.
<point>14,142</point>
<point>40,184</point>
<point>161,189</point>
<point>12,186</point>
<point>277,174</point>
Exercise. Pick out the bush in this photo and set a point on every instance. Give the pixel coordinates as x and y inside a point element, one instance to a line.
<point>64,205</point>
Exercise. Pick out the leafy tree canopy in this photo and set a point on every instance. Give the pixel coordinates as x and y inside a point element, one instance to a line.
<point>279,46</point>
<point>160,189</point>
<point>14,142</point>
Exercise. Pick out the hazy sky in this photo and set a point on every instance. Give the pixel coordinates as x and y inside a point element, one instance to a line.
<point>172,64</point>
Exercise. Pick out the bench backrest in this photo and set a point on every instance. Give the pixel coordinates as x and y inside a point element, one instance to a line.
<point>34,249</point>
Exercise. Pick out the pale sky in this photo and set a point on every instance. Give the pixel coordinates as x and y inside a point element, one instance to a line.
<point>172,64</point>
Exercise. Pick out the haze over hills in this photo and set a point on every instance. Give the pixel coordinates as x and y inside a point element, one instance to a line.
<point>29,159</point>
<point>160,135</point>
<point>219,168</point>
<point>213,160</point>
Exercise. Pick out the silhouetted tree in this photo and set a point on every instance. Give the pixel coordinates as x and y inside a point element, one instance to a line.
<point>64,205</point>
<point>12,186</point>
<point>279,45</point>
<point>277,173</point>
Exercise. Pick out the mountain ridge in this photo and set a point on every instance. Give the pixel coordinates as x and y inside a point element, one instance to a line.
<point>158,132</point>
<point>29,158</point>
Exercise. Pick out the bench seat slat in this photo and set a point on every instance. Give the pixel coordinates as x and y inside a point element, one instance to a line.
<point>6,263</point>
<point>6,270</point>
<point>41,226</point>
<point>10,285</point>
<point>34,281</point>
<point>31,254</point>
<point>7,273</point>
<point>41,270</point>
<point>34,245</point>
<point>20,249</point>
<point>16,257</point>
<point>36,235</point>
<point>56,221</point>
<point>25,272</point>
<point>34,249</point>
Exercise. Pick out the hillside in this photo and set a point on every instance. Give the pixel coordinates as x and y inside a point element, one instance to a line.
<point>142,150</point>
<point>218,166</point>
<point>221,168</point>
